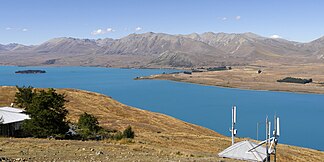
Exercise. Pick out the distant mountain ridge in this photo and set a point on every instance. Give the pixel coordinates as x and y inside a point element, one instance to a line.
<point>12,47</point>
<point>163,50</point>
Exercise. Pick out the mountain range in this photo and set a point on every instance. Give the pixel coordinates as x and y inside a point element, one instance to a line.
<point>155,50</point>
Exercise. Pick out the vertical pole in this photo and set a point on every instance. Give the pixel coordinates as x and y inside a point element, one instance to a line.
<point>257,133</point>
<point>267,142</point>
<point>233,124</point>
<point>275,139</point>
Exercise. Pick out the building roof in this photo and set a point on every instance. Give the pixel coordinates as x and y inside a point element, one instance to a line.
<point>12,115</point>
<point>12,109</point>
<point>241,151</point>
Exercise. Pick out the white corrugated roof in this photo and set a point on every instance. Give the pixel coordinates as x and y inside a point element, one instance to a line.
<point>11,109</point>
<point>11,115</point>
<point>241,151</point>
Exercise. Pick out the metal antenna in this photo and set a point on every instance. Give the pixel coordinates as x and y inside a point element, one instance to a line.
<point>257,131</point>
<point>270,141</point>
<point>233,130</point>
<point>267,139</point>
<point>276,134</point>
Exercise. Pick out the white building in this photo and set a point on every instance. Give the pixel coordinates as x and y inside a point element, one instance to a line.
<point>11,120</point>
<point>244,151</point>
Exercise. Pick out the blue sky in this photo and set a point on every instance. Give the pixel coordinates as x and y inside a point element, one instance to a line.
<point>35,21</point>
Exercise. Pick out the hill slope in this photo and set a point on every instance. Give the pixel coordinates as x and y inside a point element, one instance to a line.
<point>158,137</point>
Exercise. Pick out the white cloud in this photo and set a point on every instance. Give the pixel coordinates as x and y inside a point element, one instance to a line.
<point>224,18</point>
<point>102,31</point>
<point>17,29</point>
<point>98,31</point>
<point>110,30</point>
<point>275,36</point>
<point>138,29</point>
<point>238,17</point>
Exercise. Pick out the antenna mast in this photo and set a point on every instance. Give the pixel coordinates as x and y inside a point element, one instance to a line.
<point>267,139</point>
<point>276,134</point>
<point>233,130</point>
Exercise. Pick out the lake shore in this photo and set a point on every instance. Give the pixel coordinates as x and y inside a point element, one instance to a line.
<point>248,77</point>
<point>158,137</point>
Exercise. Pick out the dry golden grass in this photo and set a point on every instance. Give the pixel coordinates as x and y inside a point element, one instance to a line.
<point>158,137</point>
<point>247,77</point>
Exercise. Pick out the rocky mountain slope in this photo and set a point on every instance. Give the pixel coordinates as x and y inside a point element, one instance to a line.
<point>13,47</point>
<point>316,47</point>
<point>164,50</point>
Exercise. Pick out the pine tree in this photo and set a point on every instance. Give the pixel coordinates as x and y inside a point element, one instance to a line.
<point>24,96</point>
<point>46,110</point>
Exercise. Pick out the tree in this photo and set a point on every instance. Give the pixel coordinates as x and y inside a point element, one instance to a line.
<point>128,132</point>
<point>88,122</point>
<point>24,96</point>
<point>46,110</point>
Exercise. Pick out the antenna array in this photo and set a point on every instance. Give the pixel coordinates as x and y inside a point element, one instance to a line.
<point>233,130</point>
<point>270,142</point>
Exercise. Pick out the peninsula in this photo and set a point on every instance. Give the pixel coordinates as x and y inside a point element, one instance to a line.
<point>260,75</point>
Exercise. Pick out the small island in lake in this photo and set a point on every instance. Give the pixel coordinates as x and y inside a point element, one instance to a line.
<point>30,72</point>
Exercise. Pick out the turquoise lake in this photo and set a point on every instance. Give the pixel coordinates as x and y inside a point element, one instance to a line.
<point>301,115</point>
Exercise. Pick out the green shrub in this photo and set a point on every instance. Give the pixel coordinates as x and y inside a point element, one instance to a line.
<point>128,132</point>
<point>88,122</point>
<point>88,126</point>
<point>118,136</point>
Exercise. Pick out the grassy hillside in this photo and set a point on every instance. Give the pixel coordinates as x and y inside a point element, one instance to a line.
<point>158,137</point>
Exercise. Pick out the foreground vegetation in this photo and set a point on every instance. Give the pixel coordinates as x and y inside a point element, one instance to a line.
<point>158,137</point>
<point>46,111</point>
<point>48,118</point>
